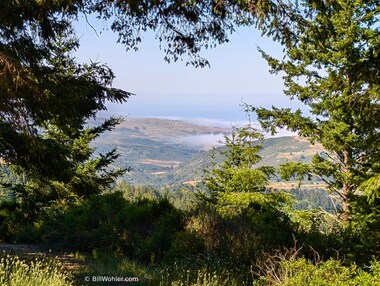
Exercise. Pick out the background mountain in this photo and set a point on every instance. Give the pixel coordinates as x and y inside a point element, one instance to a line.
<point>163,152</point>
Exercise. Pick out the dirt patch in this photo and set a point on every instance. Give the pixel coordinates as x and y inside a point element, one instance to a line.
<point>192,183</point>
<point>291,185</point>
<point>68,261</point>
<point>160,163</point>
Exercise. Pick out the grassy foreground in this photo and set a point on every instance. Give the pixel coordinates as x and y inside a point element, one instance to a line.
<point>36,272</point>
<point>98,269</point>
<point>101,269</point>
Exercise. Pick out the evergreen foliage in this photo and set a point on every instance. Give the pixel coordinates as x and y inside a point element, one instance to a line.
<point>239,215</point>
<point>236,174</point>
<point>46,94</point>
<point>331,64</point>
<point>57,96</point>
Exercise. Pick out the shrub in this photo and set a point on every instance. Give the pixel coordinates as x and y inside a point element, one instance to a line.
<point>142,229</point>
<point>245,233</point>
<point>186,245</point>
<point>151,228</point>
<point>293,271</point>
<point>319,231</point>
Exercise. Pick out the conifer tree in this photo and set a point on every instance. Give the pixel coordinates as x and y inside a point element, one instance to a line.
<point>52,148</point>
<point>237,180</point>
<point>332,65</point>
<point>37,86</point>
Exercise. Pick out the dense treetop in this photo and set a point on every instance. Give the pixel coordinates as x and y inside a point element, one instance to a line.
<point>42,85</point>
<point>333,67</point>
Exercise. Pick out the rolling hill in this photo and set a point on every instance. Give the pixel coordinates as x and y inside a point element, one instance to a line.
<point>164,152</point>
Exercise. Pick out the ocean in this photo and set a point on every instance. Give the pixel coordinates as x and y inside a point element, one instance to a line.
<point>203,109</point>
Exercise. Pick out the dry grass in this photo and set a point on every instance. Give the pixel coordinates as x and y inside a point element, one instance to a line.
<point>191,183</point>
<point>160,163</point>
<point>68,261</point>
<point>292,185</point>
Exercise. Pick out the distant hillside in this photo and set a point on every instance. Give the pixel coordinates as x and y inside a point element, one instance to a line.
<point>162,130</point>
<point>166,152</point>
<point>153,147</point>
<point>290,148</point>
<point>275,151</point>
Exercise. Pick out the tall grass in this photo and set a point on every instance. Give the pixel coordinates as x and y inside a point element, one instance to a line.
<point>185,272</point>
<point>211,272</point>
<point>200,278</point>
<point>15,272</point>
<point>295,271</point>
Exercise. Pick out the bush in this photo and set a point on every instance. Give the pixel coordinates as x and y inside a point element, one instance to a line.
<point>16,225</point>
<point>152,229</point>
<point>363,234</point>
<point>299,271</point>
<point>141,230</point>
<point>186,245</point>
<point>319,231</point>
<point>245,233</point>
<point>92,224</point>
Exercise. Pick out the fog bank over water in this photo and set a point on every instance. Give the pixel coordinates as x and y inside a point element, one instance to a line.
<point>203,141</point>
<point>208,141</point>
<point>204,109</point>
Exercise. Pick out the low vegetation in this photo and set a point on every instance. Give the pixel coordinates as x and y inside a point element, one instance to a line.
<point>299,271</point>
<point>15,271</point>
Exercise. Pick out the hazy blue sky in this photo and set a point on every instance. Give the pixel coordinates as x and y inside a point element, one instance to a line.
<point>237,73</point>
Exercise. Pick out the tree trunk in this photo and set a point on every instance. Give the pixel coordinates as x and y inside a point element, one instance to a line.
<point>346,190</point>
<point>346,203</point>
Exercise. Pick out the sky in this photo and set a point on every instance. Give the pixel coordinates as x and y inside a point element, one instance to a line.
<point>237,74</point>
